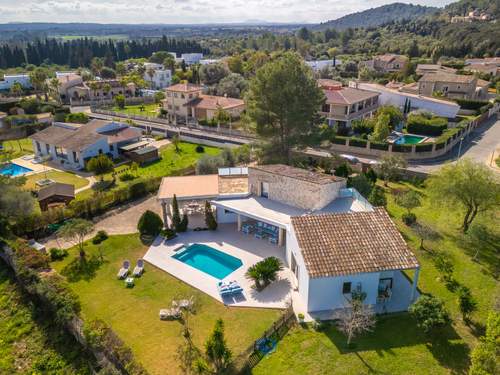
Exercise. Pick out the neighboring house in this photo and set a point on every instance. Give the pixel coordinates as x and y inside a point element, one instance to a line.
<point>451,86</point>
<point>318,65</point>
<point>492,69</point>
<point>186,102</point>
<point>472,16</point>
<point>9,79</point>
<point>55,194</point>
<point>345,104</point>
<point>157,76</point>
<point>209,61</point>
<point>486,60</point>
<point>70,85</point>
<point>401,99</point>
<point>334,242</point>
<point>97,90</point>
<point>388,63</point>
<point>192,58</point>
<point>433,68</point>
<point>72,145</point>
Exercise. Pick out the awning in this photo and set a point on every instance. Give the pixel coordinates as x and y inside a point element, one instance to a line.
<point>133,146</point>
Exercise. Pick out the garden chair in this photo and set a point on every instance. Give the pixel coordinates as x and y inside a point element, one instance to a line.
<point>139,268</point>
<point>123,272</point>
<point>170,314</point>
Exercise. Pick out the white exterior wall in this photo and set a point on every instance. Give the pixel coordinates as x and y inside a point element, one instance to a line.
<point>162,78</point>
<point>9,80</point>
<point>226,217</point>
<point>326,293</point>
<point>396,98</point>
<point>292,247</point>
<point>192,58</point>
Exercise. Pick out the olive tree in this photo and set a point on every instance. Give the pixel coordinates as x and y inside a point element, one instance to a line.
<point>75,231</point>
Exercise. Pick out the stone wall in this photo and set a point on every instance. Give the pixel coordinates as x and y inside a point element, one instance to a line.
<point>294,192</point>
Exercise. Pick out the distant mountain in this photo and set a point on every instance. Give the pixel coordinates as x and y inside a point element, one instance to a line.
<point>379,16</point>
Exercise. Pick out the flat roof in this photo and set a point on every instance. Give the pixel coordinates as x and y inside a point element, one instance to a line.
<point>258,208</point>
<point>189,187</point>
<point>298,173</point>
<point>133,146</point>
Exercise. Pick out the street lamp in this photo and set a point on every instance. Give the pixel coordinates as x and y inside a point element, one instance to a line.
<point>460,148</point>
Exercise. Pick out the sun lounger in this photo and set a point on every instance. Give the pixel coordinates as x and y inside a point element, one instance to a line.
<point>170,314</point>
<point>123,272</point>
<point>139,268</point>
<point>230,288</point>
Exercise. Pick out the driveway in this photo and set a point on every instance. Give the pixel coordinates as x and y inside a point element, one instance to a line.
<point>122,220</point>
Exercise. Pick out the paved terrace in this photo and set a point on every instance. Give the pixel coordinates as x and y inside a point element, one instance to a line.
<point>226,239</point>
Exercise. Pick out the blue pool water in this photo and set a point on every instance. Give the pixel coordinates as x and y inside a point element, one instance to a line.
<point>409,139</point>
<point>208,260</point>
<point>13,170</point>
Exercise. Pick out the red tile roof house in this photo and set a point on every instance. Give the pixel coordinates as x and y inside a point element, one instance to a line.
<point>332,241</point>
<point>72,145</point>
<point>186,102</point>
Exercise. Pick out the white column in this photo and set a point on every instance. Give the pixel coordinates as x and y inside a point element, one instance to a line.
<point>239,223</point>
<point>414,285</point>
<point>281,236</point>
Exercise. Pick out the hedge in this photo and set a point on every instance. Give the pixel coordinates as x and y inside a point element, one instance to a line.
<point>356,142</point>
<point>419,124</point>
<point>339,140</point>
<point>440,145</point>
<point>471,104</point>
<point>401,148</point>
<point>379,146</point>
<point>423,147</point>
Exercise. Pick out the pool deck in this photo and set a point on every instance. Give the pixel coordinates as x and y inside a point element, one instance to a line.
<point>27,162</point>
<point>226,239</point>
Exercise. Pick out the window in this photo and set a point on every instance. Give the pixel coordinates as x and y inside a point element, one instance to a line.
<point>75,157</point>
<point>47,148</point>
<point>326,108</point>
<point>264,189</point>
<point>346,288</point>
<point>111,147</point>
<point>38,146</point>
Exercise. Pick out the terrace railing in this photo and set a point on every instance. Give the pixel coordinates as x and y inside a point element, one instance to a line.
<point>354,194</point>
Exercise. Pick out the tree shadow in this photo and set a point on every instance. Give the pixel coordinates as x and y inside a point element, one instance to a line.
<point>82,269</point>
<point>400,330</point>
<point>482,244</point>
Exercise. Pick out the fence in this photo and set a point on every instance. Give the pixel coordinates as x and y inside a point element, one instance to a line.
<point>162,121</point>
<point>252,355</point>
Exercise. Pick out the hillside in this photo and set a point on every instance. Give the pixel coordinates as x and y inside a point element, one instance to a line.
<point>378,16</point>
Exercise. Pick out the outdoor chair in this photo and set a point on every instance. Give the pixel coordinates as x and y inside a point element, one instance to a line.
<point>230,288</point>
<point>139,268</point>
<point>170,314</point>
<point>123,272</point>
<point>273,240</point>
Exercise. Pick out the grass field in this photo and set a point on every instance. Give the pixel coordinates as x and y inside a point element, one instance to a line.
<point>150,110</point>
<point>170,162</point>
<point>28,344</point>
<point>397,346</point>
<point>16,149</point>
<point>58,176</point>
<point>133,313</point>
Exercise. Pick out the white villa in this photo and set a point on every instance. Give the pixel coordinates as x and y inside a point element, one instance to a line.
<point>331,241</point>
<point>157,76</point>
<point>71,145</point>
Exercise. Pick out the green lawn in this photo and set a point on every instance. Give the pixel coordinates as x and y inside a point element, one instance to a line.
<point>397,346</point>
<point>170,163</point>
<point>133,313</point>
<point>16,149</point>
<point>58,176</point>
<point>28,343</point>
<point>150,110</point>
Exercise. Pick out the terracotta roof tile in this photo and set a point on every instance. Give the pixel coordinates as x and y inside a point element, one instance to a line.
<point>184,87</point>
<point>348,95</point>
<point>351,243</point>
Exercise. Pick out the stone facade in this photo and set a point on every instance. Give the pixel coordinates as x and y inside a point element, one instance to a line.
<point>307,195</point>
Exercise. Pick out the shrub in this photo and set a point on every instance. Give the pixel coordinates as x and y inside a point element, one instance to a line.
<point>209,217</point>
<point>466,302</point>
<point>120,101</point>
<point>371,175</point>
<point>429,312</point>
<point>409,218</point>
<point>355,142</point>
<point>377,197</point>
<point>421,124</point>
<point>343,170</point>
<point>200,149</point>
<point>471,104</point>
<point>264,272</point>
<point>79,118</point>
<point>31,258</point>
<point>362,184</point>
<point>409,200</point>
<point>138,190</point>
<point>126,177</point>
<point>150,224</point>
<point>57,254</point>
<point>100,237</point>
<point>209,164</point>
<point>168,233</point>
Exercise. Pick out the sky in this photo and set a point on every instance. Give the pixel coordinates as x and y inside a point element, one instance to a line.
<point>187,11</point>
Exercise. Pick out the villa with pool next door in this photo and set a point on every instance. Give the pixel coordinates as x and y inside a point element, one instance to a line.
<point>331,241</point>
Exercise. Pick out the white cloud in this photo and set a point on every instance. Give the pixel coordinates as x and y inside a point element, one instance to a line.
<point>185,11</point>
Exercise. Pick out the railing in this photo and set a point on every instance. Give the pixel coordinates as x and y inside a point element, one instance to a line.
<point>354,194</point>
<point>243,171</point>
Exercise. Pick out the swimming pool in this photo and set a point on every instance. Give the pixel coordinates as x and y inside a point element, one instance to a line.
<point>208,260</point>
<point>409,139</point>
<point>13,170</point>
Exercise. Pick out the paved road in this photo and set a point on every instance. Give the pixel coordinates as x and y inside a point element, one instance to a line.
<point>480,146</point>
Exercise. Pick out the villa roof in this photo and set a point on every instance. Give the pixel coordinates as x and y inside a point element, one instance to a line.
<point>57,188</point>
<point>184,87</point>
<point>298,173</point>
<point>351,243</point>
<point>213,102</point>
<point>348,95</point>
<point>447,77</point>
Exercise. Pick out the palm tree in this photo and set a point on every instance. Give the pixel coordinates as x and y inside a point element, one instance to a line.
<point>94,86</point>
<point>16,89</point>
<point>151,74</point>
<point>54,86</point>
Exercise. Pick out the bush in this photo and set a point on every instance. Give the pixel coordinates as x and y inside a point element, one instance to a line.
<point>168,233</point>
<point>126,177</point>
<point>150,224</point>
<point>79,118</point>
<point>421,124</point>
<point>471,104</point>
<point>343,170</point>
<point>355,142</point>
<point>200,149</point>
<point>429,312</point>
<point>57,254</point>
<point>377,197</point>
<point>138,190</point>
<point>409,218</point>
<point>209,164</point>
<point>362,184</point>
<point>100,237</point>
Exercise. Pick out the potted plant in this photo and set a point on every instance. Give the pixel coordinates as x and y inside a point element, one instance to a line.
<point>301,317</point>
